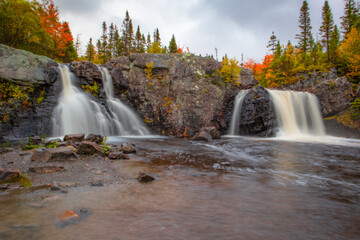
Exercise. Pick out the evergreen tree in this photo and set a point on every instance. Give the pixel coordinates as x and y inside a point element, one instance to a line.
<point>70,51</point>
<point>334,44</point>
<point>139,43</point>
<point>305,38</point>
<point>148,41</point>
<point>350,17</point>
<point>127,34</point>
<point>118,43</point>
<point>90,51</point>
<point>157,36</point>
<point>111,44</point>
<point>78,45</point>
<point>102,45</point>
<point>326,28</point>
<point>273,42</point>
<point>173,46</point>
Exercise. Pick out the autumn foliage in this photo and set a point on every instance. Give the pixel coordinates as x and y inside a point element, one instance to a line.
<point>36,27</point>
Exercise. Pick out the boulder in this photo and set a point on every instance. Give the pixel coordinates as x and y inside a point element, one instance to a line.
<point>145,177</point>
<point>9,176</point>
<point>36,140</point>
<point>86,70</point>
<point>114,155</point>
<point>74,137</point>
<point>203,136</point>
<point>128,148</point>
<point>53,154</point>
<point>97,138</point>
<point>90,148</point>
<point>257,114</point>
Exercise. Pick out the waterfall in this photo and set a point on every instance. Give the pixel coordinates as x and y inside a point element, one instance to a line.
<point>127,121</point>
<point>235,118</point>
<point>77,112</point>
<point>298,114</point>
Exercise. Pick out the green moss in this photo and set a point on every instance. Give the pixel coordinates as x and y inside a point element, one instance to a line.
<point>52,145</point>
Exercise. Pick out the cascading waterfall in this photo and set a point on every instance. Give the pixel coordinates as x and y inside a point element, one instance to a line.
<point>298,114</point>
<point>78,113</point>
<point>126,120</point>
<point>234,126</point>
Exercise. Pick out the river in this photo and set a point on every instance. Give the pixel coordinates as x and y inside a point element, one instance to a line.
<point>233,188</point>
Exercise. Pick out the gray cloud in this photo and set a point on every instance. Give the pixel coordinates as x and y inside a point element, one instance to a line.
<point>232,26</point>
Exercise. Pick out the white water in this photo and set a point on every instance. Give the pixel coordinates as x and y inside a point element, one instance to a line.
<point>298,114</point>
<point>235,118</point>
<point>78,113</point>
<point>126,120</point>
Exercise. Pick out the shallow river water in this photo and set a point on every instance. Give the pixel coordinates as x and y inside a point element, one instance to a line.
<point>233,188</point>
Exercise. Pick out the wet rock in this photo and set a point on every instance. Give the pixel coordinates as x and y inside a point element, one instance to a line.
<point>74,137</point>
<point>46,169</point>
<point>257,115</point>
<point>9,176</point>
<point>71,217</point>
<point>90,148</point>
<point>97,184</point>
<point>114,155</point>
<point>145,177</point>
<point>36,140</point>
<point>128,148</point>
<point>86,70</point>
<point>203,136</point>
<point>53,154</point>
<point>40,155</point>
<point>207,134</point>
<point>97,138</point>
<point>5,150</point>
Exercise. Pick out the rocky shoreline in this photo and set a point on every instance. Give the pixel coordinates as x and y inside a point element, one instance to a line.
<point>71,162</point>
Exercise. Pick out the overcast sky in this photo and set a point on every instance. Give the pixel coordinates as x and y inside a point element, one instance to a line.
<point>232,26</point>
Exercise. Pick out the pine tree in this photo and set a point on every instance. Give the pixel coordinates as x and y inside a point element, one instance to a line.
<point>305,37</point>
<point>334,44</point>
<point>127,34</point>
<point>272,44</point>
<point>138,40</point>
<point>157,36</point>
<point>148,41</point>
<point>90,51</point>
<point>172,45</point>
<point>350,17</point>
<point>111,44</point>
<point>326,28</point>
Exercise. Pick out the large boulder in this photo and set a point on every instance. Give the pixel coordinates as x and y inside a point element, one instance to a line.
<point>257,114</point>
<point>90,148</point>
<point>36,78</point>
<point>58,154</point>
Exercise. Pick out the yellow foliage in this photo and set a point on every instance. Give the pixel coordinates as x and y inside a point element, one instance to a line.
<point>230,71</point>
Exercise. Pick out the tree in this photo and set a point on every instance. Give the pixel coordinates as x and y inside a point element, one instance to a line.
<point>305,38</point>
<point>78,45</point>
<point>230,70</point>
<point>157,36</point>
<point>70,53</point>
<point>139,41</point>
<point>326,28</point>
<point>349,53</point>
<point>127,34</point>
<point>273,42</point>
<point>90,51</point>
<point>155,48</point>
<point>350,17</point>
<point>334,44</point>
<point>172,45</point>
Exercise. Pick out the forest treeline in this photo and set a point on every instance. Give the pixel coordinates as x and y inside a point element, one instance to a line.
<point>337,47</point>
<point>116,42</point>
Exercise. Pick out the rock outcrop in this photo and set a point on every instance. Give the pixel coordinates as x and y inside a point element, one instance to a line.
<point>334,93</point>
<point>177,93</point>
<point>30,92</point>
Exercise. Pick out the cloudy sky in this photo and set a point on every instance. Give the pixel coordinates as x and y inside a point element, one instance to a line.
<point>234,27</point>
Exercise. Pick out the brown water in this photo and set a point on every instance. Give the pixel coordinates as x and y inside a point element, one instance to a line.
<point>234,188</point>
